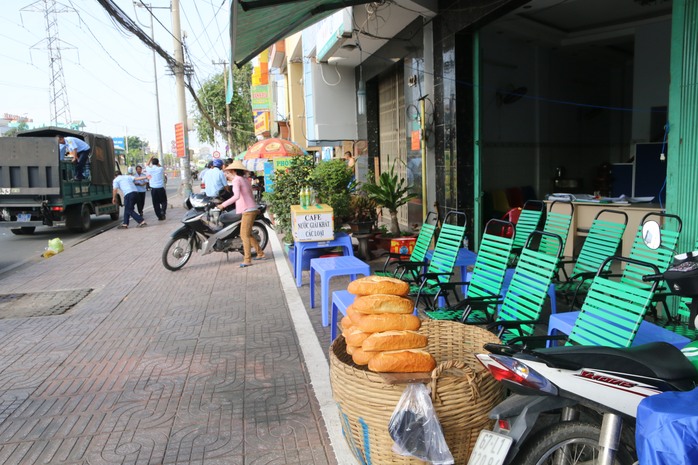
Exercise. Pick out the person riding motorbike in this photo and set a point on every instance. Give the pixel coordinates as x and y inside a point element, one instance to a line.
<point>214,179</point>
<point>244,205</point>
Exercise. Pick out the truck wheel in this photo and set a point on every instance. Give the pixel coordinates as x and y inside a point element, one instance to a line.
<point>23,230</point>
<point>79,218</point>
<point>114,216</point>
<point>177,252</point>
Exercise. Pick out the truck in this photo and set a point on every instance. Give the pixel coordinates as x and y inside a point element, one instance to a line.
<point>37,186</point>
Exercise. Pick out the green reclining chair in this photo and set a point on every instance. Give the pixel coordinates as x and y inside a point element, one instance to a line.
<point>418,255</point>
<point>602,242</point>
<point>487,278</point>
<point>443,259</point>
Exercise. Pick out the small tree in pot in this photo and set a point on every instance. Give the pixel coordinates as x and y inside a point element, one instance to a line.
<point>391,192</point>
<point>364,213</point>
<point>286,189</point>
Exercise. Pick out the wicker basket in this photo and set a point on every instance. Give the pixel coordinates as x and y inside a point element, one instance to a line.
<point>463,393</point>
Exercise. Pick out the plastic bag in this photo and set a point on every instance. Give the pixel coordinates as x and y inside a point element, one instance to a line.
<point>415,427</point>
<point>55,246</point>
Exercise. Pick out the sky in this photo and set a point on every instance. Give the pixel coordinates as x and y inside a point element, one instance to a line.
<point>108,72</point>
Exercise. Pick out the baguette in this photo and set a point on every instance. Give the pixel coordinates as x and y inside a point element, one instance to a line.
<point>360,357</point>
<point>346,323</point>
<point>355,337</point>
<point>393,340</point>
<point>378,285</point>
<point>383,303</point>
<point>353,315</point>
<point>402,361</point>
<point>350,349</point>
<point>387,322</point>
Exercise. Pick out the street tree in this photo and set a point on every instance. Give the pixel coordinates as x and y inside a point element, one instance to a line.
<point>211,97</point>
<point>137,149</point>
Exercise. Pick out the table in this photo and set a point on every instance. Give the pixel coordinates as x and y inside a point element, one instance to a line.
<point>585,212</point>
<point>340,240</point>
<point>328,268</point>
<point>648,332</point>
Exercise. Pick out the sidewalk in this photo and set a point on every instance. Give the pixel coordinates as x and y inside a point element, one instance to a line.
<point>147,366</point>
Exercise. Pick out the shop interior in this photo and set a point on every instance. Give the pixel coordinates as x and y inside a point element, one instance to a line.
<point>574,99</point>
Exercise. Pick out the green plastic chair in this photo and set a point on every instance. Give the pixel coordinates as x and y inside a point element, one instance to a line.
<point>486,280</point>
<point>443,259</point>
<point>602,242</point>
<point>612,310</point>
<point>558,223</point>
<point>418,255</point>
<point>639,252</point>
<point>523,303</point>
<point>528,221</point>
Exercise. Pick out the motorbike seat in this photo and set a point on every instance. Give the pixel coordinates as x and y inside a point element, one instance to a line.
<point>229,218</point>
<point>654,360</point>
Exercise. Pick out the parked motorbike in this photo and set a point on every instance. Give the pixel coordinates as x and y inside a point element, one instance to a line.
<point>206,230</point>
<point>578,404</point>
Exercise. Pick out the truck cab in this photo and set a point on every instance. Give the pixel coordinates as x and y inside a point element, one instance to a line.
<point>37,186</point>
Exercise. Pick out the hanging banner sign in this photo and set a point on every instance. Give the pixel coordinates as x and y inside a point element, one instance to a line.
<point>180,140</point>
<point>261,97</point>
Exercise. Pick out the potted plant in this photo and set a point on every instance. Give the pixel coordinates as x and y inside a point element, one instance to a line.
<point>389,191</point>
<point>286,188</point>
<point>334,184</point>
<point>364,214</point>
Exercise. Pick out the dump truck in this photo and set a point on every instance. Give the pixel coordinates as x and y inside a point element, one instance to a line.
<point>37,187</point>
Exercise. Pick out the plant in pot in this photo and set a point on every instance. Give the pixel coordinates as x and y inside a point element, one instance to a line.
<point>389,191</point>
<point>286,188</point>
<point>364,214</point>
<point>334,184</point>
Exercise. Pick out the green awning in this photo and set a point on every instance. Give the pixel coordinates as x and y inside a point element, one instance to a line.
<point>255,25</point>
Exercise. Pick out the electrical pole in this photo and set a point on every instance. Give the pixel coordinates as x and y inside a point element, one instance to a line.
<point>58,94</point>
<point>181,101</point>
<point>150,7</point>
<point>228,126</point>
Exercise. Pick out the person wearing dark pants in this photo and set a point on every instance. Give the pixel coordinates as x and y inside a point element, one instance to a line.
<point>157,179</point>
<point>141,188</point>
<point>128,189</point>
<point>80,151</point>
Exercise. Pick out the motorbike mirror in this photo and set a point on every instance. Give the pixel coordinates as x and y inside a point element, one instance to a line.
<point>652,234</point>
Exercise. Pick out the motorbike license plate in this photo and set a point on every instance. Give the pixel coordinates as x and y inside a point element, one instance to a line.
<point>490,449</point>
<point>24,217</point>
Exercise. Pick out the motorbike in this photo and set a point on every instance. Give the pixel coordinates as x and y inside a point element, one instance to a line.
<point>206,230</point>
<point>578,404</point>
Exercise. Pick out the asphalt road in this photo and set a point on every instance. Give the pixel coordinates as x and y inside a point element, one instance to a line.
<point>20,250</point>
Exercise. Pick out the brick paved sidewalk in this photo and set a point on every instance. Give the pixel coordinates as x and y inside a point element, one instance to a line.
<point>200,366</point>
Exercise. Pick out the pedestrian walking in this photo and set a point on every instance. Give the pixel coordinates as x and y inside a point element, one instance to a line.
<point>141,188</point>
<point>126,183</point>
<point>157,180</point>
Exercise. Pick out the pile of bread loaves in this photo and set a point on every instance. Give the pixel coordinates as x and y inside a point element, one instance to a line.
<point>380,329</point>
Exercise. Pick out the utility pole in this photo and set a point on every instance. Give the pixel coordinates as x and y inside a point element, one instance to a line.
<point>228,125</point>
<point>181,101</point>
<point>150,7</point>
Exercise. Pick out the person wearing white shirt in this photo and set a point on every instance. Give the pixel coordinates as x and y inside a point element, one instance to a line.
<point>214,179</point>
<point>157,179</point>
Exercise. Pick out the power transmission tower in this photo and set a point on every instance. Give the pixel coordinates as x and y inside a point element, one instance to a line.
<point>58,98</point>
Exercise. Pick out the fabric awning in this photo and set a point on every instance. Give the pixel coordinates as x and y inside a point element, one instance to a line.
<point>257,24</point>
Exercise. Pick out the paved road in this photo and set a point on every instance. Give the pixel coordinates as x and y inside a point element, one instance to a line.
<point>21,250</point>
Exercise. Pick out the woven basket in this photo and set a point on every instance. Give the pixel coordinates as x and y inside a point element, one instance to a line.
<point>463,393</point>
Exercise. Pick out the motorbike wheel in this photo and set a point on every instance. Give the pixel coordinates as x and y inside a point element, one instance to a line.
<point>568,443</point>
<point>259,231</point>
<point>177,252</point>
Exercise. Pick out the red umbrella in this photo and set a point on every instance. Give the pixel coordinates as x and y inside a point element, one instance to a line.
<point>272,148</point>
